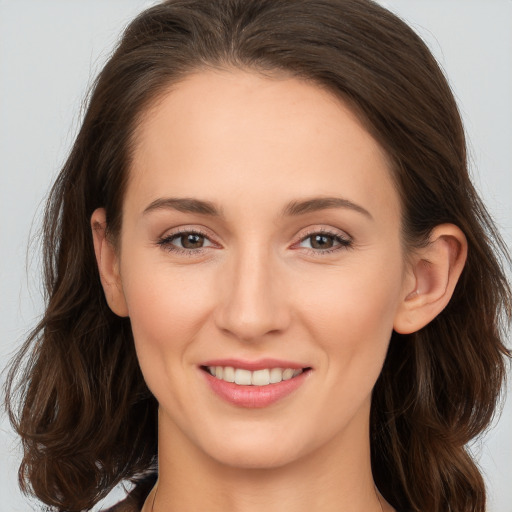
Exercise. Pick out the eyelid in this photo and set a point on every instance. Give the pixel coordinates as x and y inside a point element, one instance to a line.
<point>318,229</point>
<point>190,228</point>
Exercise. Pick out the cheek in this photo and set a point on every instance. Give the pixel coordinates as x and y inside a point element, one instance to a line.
<point>350,310</point>
<point>167,307</point>
<point>352,325</point>
<point>167,310</point>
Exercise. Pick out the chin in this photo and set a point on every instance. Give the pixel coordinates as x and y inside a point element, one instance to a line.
<point>260,447</point>
<point>256,457</point>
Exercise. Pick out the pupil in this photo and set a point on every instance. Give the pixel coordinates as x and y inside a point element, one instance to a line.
<point>321,242</point>
<point>192,241</point>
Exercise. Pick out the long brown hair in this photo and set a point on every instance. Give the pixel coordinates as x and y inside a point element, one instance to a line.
<point>75,393</point>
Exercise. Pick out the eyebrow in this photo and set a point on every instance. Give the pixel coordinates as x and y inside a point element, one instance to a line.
<point>294,208</point>
<point>185,204</point>
<point>322,203</point>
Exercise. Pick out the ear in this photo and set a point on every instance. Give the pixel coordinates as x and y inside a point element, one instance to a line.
<point>433,273</point>
<point>108,264</point>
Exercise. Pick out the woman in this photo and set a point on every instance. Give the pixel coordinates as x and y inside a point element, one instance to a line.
<point>267,210</point>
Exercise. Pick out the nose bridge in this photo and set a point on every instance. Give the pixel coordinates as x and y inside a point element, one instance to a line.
<point>253,301</point>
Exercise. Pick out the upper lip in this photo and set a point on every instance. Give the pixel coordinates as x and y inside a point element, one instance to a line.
<point>259,364</point>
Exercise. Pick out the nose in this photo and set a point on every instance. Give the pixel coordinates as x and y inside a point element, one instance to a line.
<point>252,299</point>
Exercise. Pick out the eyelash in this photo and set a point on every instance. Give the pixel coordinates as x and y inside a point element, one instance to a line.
<point>344,242</point>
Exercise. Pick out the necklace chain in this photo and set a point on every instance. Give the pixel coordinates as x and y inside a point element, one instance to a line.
<point>376,494</point>
<point>154,498</point>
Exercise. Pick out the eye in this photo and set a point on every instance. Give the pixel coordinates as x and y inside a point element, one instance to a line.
<point>190,241</point>
<point>185,241</point>
<point>322,242</point>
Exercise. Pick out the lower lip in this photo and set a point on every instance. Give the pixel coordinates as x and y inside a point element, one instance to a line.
<point>254,396</point>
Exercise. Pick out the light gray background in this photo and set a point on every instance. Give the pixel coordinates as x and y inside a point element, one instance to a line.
<point>51,50</point>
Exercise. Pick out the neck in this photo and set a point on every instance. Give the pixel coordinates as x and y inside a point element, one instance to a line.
<point>335,478</point>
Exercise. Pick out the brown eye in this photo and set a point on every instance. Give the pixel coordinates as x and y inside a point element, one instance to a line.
<point>321,241</point>
<point>191,241</point>
<point>185,241</point>
<point>324,242</point>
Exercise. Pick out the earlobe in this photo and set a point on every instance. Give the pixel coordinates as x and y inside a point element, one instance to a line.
<point>108,264</point>
<point>433,275</point>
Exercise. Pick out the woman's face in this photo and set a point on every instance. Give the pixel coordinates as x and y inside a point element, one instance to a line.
<point>261,233</point>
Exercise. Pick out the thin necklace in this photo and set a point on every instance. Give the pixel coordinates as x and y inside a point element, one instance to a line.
<point>156,490</point>
<point>376,494</point>
<point>378,498</point>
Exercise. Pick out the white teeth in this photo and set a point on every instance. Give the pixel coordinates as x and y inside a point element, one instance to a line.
<point>229,374</point>
<point>276,375</point>
<point>242,377</point>
<point>257,378</point>
<point>287,374</point>
<point>260,378</point>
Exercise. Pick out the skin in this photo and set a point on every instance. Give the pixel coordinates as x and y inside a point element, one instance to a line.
<point>260,287</point>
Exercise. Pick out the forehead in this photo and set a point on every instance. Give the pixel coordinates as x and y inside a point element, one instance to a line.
<point>234,134</point>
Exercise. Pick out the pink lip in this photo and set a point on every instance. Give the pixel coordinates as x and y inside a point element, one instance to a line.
<point>260,364</point>
<point>254,396</point>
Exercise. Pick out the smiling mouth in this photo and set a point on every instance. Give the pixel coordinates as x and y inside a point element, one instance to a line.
<point>262,377</point>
